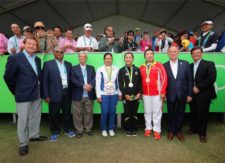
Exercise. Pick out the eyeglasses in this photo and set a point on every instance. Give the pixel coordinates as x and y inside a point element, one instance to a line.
<point>39,28</point>
<point>131,35</point>
<point>29,31</point>
<point>61,52</point>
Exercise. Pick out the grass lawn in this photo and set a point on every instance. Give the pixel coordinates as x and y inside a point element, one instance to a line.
<point>120,148</point>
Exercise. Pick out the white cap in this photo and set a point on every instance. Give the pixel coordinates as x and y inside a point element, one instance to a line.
<point>87,27</point>
<point>207,22</point>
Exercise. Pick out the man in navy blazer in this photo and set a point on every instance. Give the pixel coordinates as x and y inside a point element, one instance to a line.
<point>56,92</point>
<point>22,76</point>
<point>179,91</point>
<point>83,95</point>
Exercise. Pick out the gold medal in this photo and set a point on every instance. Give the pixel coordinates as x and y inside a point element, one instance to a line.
<point>110,83</point>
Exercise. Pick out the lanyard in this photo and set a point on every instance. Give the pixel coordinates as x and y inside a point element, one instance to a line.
<point>62,68</point>
<point>85,41</point>
<point>16,43</point>
<point>148,68</point>
<point>129,45</point>
<point>205,40</point>
<point>130,74</point>
<point>109,73</point>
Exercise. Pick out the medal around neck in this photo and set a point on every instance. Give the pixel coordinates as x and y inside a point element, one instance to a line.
<point>130,85</point>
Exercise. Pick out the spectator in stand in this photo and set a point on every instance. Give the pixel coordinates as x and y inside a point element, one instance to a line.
<point>109,43</point>
<point>154,47</point>
<point>221,43</point>
<point>163,41</point>
<point>208,39</point>
<point>46,40</point>
<point>57,31</point>
<point>129,44</point>
<point>15,42</point>
<point>28,31</point>
<point>87,42</point>
<point>145,42</point>
<point>68,44</point>
<point>137,38</point>
<point>3,43</point>
<point>192,38</point>
<point>184,43</point>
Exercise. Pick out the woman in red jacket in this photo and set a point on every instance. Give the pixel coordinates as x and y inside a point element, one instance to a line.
<point>154,83</point>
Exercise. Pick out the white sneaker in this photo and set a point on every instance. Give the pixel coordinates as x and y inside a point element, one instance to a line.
<point>111,133</point>
<point>104,133</point>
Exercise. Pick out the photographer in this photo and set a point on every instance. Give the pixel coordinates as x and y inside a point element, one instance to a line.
<point>163,41</point>
<point>109,43</point>
<point>46,40</point>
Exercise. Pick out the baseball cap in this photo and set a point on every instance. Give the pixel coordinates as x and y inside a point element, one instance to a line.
<point>87,27</point>
<point>207,21</point>
<point>26,28</point>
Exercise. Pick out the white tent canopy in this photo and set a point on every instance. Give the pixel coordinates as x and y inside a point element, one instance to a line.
<point>173,15</point>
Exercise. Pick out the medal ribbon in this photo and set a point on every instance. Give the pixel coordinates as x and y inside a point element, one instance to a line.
<point>130,74</point>
<point>109,73</point>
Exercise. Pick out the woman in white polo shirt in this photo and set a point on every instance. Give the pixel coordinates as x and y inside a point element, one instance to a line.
<point>108,93</point>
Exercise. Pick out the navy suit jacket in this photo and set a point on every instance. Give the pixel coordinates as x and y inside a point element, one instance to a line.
<point>78,82</point>
<point>181,87</point>
<point>21,78</point>
<point>51,80</point>
<point>205,78</point>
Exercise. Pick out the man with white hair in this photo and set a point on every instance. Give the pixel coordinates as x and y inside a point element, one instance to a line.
<point>83,95</point>
<point>87,42</point>
<point>208,39</point>
<point>15,42</point>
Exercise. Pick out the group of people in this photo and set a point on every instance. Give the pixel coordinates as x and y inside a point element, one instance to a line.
<point>64,86</point>
<point>133,40</point>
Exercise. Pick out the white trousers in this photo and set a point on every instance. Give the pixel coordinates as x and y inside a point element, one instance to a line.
<point>153,112</point>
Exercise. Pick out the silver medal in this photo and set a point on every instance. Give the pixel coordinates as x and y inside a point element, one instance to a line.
<point>131,85</point>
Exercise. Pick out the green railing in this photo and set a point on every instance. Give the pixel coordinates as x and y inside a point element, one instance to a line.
<point>7,102</point>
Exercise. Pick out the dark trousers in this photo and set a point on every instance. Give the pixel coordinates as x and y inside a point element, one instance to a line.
<point>130,111</point>
<point>176,115</point>
<point>54,114</point>
<point>199,115</point>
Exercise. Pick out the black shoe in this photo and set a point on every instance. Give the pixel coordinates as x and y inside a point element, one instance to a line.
<point>23,150</point>
<point>90,133</point>
<point>203,139</point>
<point>191,131</point>
<point>79,135</point>
<point>134,133</point>
<point>40,138</point>
<point>129,133</point>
